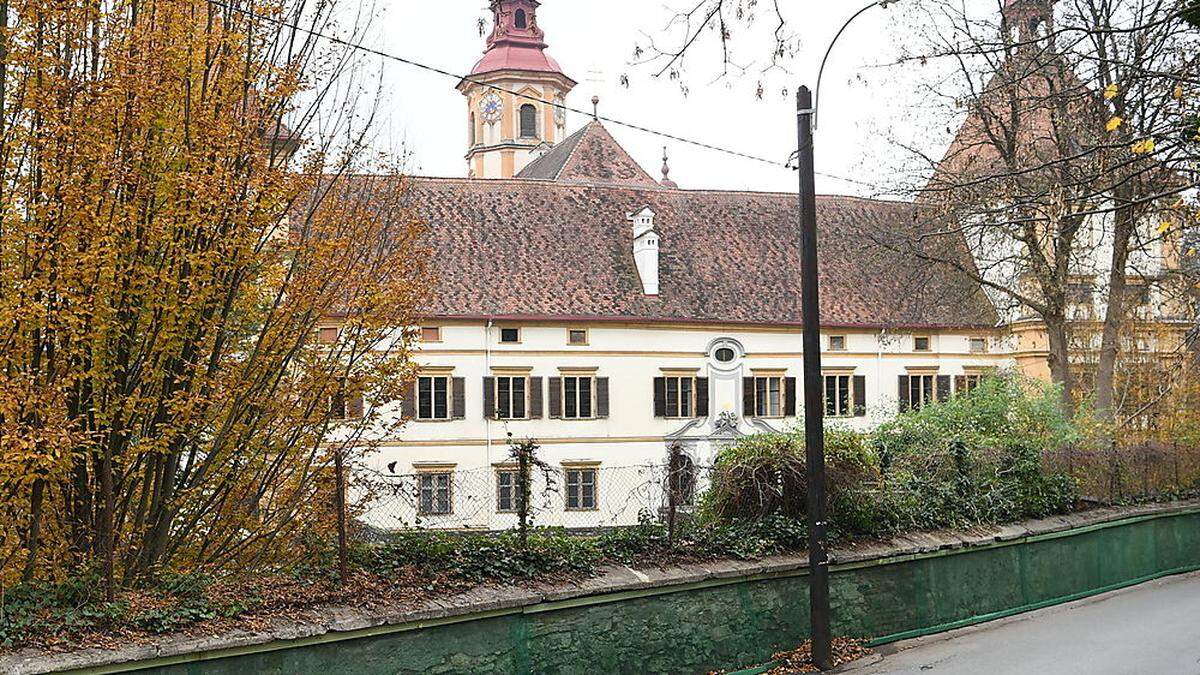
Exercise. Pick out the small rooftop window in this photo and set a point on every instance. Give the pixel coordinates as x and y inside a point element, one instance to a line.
<point>519,19</point>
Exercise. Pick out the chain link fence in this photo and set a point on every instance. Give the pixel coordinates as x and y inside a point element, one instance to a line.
<point>520,495</point>
<point>582,497</point>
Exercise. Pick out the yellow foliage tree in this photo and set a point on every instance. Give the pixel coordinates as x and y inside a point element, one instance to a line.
<point>165,259</point>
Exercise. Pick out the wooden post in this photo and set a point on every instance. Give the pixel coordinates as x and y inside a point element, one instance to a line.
<point>339,477</point>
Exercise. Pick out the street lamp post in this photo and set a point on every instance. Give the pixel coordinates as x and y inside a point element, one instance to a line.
<point>814,403</point>
<point>814,413</point>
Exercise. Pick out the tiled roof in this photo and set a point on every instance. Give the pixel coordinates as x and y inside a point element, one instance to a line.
<point>590,155</point>
<point>557,249</point>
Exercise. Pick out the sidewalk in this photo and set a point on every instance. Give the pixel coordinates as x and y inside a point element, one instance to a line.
<point>1151,628</point>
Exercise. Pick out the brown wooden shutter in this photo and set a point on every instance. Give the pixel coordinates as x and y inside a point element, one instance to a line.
<point>747,397</point>
<point>458,384</point>
<point>701,397</point>
<point>860,395</point>
<point>489,398</point>
<point>960,384</point>
<point>943,388</point>
<point>354,406</point>
<point>660,397</point>
<point>555,411</point>
<point>535,398</point>
<point>905,403</point>
<point>601,397</point>
<point>789,397</point>
<point>408,401</point>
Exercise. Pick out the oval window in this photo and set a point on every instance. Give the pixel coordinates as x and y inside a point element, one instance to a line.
<point>724,354</point>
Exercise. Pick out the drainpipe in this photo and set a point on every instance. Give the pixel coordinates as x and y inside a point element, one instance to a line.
<point>879,362</point>
<point>487,370</point>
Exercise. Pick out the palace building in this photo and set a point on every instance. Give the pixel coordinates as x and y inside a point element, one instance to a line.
<point>612,316</point>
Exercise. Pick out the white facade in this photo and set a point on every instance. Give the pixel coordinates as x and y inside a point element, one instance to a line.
<point>630,357</point>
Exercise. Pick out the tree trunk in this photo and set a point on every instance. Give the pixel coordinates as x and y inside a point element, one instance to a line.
<point>35,528</point>
<point>1114,314</point>
<point>1059,359</point>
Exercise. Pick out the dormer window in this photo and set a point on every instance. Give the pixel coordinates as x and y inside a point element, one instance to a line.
<point>528,121</point>
<point>519,19</point>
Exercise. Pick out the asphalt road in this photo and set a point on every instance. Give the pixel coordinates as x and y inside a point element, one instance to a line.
<point>1148,629</point>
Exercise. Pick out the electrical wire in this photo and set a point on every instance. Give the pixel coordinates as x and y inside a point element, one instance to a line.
<point>562,106</point>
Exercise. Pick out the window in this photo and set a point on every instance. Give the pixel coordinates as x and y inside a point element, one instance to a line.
<point>921,389</point>
<point>978,345</point>
<point>577,397</point>
<point>528,121</point>
<point>507,497</point>
<point>680,396</point>
<point>921,343</point>
<point>838,396</point>
<point>519,19</point>
<point>581,489</point>
<point>327,335</point>
<point>431,334</point>
<point>510,335</point>
<point>837,343</point>
<point>435,494</point>
<point>969,382</point>
<point>768,397</point>
<point>510,397</point>
<point>343,406</point>
<point>433,398</point>
<point>724,355</point>
<point>577,336</point>
<point>471,130</point>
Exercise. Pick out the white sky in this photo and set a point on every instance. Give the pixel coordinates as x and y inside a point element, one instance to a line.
<point>594,40</point>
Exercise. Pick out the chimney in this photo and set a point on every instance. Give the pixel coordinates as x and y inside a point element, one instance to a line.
<point>645,249</point>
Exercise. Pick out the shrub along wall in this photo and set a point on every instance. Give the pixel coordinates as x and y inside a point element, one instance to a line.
<point>700,617</point>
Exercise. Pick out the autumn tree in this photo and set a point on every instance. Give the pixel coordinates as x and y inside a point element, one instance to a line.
<point>169,248</point>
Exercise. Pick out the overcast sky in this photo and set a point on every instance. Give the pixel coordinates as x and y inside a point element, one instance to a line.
<point>594,42</point>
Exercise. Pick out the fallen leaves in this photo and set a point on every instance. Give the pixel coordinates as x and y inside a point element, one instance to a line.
<point>799,660</point>
<point>1113,124</point>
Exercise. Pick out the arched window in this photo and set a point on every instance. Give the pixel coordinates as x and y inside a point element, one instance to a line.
<point>528,121</point>
<point>519,19</point>
<point>471,131</point>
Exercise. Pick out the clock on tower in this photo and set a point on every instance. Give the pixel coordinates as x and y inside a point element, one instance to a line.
<point>512,94</point>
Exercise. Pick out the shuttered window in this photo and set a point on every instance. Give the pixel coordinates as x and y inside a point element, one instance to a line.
<point>510,397</point>
<point>433,398</point>
<point>837,396</point>
<point>918,391</point>
<point>577,397</point>
<point>768,396</point>
<point>679,400</point>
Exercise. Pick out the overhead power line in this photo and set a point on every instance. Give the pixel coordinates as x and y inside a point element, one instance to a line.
<point>461,78</point>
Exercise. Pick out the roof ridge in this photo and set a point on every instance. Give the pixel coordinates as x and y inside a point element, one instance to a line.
<point>583,132</point>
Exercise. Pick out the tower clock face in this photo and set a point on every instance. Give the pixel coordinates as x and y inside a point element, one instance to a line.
<point>489,107</point>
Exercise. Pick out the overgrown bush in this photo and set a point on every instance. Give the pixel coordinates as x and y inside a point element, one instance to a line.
<point>764,475</point>
<point>978,458</point>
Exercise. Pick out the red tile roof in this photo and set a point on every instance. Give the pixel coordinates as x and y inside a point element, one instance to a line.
<point>588,155</point>
<point>523,248</point>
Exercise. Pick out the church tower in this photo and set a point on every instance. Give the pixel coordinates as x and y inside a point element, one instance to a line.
<point>511,92</point>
